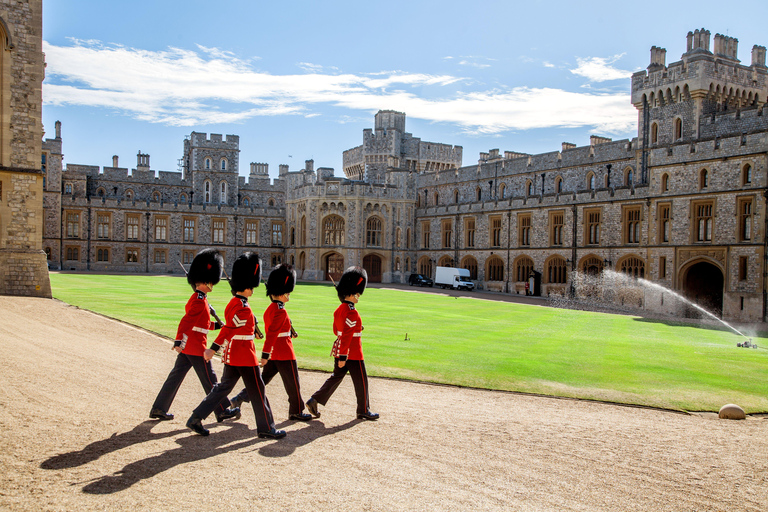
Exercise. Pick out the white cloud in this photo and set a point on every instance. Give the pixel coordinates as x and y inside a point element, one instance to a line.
<point>598,69</point>
<point>547,64</point>
<point>185,88</point>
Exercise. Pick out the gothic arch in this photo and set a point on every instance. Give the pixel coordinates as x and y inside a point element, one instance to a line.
<point>555,270</point>
<point>591,264</point>
<point>522,268</point>
<point>632,265</point>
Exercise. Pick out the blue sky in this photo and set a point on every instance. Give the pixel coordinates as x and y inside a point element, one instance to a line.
<point>300,80</point>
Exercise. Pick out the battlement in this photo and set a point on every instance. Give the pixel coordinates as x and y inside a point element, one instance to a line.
<point>166,207</point>
<point>259,168</point>
<point>390,120</point>
<point>122,174</point>
<point>215,141</point>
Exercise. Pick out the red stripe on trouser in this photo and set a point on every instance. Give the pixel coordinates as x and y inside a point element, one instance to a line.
<point>256,377</point>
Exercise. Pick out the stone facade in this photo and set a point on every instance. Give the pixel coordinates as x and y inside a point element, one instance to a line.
<point>23,269</point>
<point>682,204</point>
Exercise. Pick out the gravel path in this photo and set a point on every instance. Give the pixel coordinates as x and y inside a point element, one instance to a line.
<point>76,389</point>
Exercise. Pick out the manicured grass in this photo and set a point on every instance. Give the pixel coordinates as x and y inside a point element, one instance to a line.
<point>477,342</point>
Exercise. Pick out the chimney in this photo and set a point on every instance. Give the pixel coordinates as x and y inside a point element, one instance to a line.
<point>58,123</point>
<point>142,161</point>
<point>758,56</point>
<point>658,58</point>
<point>568,145</point>
<point>114,161</point>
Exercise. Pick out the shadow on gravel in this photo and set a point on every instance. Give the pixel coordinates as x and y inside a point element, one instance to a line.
<point>139,434</point>
<point>192,448</point>
<point>313,430</point>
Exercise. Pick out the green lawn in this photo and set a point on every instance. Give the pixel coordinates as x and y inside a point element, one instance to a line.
<point>479,343</point>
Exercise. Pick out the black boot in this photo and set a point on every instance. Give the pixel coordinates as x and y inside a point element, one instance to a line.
<point>232,412</point>
<point>273,434</point>
<point>159,414</point>
<point>196,424</point>
<point>368,415</point>
<point>312,407</point>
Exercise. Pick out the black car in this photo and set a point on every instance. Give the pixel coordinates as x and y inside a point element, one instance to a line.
<point>419,280</point>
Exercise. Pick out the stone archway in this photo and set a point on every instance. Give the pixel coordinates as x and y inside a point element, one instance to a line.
<point>334,266</point>
<point>703,284</point>
<point>372,265</point>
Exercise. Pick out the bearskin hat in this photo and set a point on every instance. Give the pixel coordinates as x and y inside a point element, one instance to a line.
<point>281,280</point>
<point>246,272</point>
<point>352,281</point>
<point>205,268</point>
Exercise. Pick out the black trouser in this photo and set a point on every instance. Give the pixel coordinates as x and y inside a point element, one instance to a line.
<point>289,373</point>
<point>205,373</point>
<point>359,379</point>
<point>253,384</point>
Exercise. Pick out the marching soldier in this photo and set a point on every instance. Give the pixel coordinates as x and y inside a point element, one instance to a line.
<point>239,354</point>
<point>277,355</point>
<point>192,339</point>
<point>348,348</point>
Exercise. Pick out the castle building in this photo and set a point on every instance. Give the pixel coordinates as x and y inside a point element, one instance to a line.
<point>682,204</point>
<point>23,269</point>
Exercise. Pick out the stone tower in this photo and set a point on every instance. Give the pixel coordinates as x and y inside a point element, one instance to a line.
<point>212,164</point>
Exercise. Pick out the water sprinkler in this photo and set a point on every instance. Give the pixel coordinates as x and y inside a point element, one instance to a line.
<point>747,344</point>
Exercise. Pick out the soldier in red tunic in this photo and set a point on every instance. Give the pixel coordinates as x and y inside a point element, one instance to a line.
<point>348,348</point>
<point>239,354</point>
<point>192,338</point>
<point>277,355</point>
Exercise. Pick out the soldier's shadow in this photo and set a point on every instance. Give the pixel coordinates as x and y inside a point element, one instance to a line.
<point>312,431</point>
<point>139,434</point>
<point>191,448</point>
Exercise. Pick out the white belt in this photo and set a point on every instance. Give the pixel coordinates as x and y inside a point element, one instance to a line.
<point>243,337</point>
<point>339,333</point>
<point>357,335</point>
<point>200,329</point>
<point>288,334</point>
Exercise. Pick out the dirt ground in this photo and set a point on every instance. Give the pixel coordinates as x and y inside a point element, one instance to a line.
<point>76,389</point>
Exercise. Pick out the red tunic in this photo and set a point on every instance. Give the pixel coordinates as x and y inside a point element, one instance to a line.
<point>194,325</point>
<point>237,334</point>
<point>348,327</point>
<point>277,334</point>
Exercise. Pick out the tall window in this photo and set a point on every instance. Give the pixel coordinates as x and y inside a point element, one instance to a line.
<point>68,188</point>
<point>207,191</point>
<point>333,230</point>
<point>73,225</point>
<point>73,253</point>
<point>456,196</point>
<point>654,133</point>
<point>373,232</point>
<point>223,164</point>
<point>632,225</point>
<point>591,181</point>
<point>303,231</point>
<point>742,268</point>
<point>218,231</point>
<point>447,233</point>
<point>557,271</point>
<point>425,235</point>
<point>407,238</point>
<point>470,264</point>
<point>557,223</point>
<point>524,229</point>
<point>663,267</point>
<point>745,219</point>
<point>503,191</point>
<point>495,269</point>
<point>529,188</point>
<point>523,268</point>
<point>188,256</point>
<point>664,223</point>
<point>223,192</point>
<point>131,255</point>
<point>703,222</point>
<point>160,256</point>
<point>479,194</point>
<point>559,185</point>
<point>665,182</point>
<point>277,234</point>
<point>495,231</point>
<point>703,179</point>
<point>678,129</point>
<point>251,233</point>
<point>746,175</point>
<point>593,226</point>
<point>629,178</point>
<point>161,229</point>
<point>634,267</point>
<point>132,227</point>
<point>102,225</point>
<point>207,163</point>
<point>189,231</point>
<point>469,232</point>
<point>102,255</point>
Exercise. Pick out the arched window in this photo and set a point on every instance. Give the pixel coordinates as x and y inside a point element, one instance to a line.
<point>703,179</point>
<point>101,192</point>
<point>398,234</point>
<point>591,181</point>
<point>528,188</point>
<point>207,191</point>
<point>445,261</point>
<point>373,232</point>
<point>470,264</point>
<point>523,268</point>
<point>223,164</point>
<point>654,133</point>
<point>628,177</point>
<point>407,266</point>
<point>746,175</point>
<point>557,271</point>
<point>503,191</point>
<point>425,266</point>
<point>633,266</point>
<point>397,265</point>
<point>182,198</point>
<point>494,269</point>
<point>303,230</point>
<point>592,266</point>
<point>129,195</point>
<point>559,185</point>
<point>678,129</point>
<point>156,197</point>
<point>293,236</point>
<point>456,196</point>
<point>207,163</point>
<point>665,182</point>
<point>246,201</point>
<point>407,238</point>
<point>437,199</point>
<point>479,194</point>
<point>271,202</point>
<point>68,188</point>
<point>333,230</point>
<point>223,192</point>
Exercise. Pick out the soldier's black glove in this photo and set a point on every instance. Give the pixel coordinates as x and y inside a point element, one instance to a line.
<point>216,326</point>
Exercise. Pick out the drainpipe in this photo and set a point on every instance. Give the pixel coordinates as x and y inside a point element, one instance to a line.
<point>574,214</point>
<point>765,254</point>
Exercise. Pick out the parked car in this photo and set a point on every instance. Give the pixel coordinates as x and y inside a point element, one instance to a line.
<point>419,280</point>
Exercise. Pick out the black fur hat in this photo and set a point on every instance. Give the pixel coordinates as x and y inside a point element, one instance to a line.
<point>246,272</point>
<point>205,268</point>
<point>281,280</point>
<point>352,281</point>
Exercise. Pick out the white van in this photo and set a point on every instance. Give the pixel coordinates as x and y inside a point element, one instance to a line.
<point>456,278</point>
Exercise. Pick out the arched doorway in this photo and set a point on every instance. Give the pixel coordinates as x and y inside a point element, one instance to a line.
<point>334,266</point>
<point>372,265</point>
<point>703,284</point>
